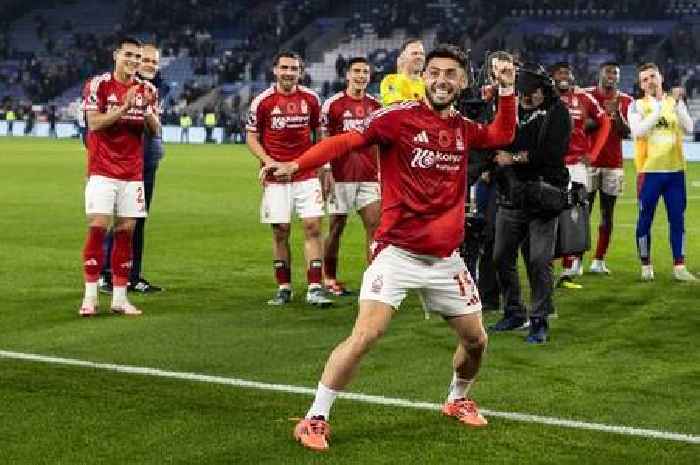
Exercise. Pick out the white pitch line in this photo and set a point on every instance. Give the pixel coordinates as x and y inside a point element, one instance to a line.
<point>381,400</point>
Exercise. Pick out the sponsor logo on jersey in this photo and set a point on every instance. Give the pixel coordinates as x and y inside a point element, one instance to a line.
<point>353,124</point>
<point>421,138</point>
<point>291,122</point>
<point>426,158</point>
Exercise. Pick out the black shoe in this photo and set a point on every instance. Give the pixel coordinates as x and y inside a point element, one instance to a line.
<point>282,297</point>
<point>538,331</point>
<point>144,287</point>
<point>509,323</point>
<point>104,284</point>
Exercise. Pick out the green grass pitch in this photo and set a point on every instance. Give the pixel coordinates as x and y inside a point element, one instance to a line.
<point>622,352</point>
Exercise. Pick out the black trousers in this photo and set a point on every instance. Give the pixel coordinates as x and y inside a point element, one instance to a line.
<point>149,182</point>
<point>516,229</point>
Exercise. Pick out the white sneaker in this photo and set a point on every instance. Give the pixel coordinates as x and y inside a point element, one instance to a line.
<point>577,267</point>
<point>598,267</point>
<point>681,273</point>
<point>88,309</point>
<point>647,273</point>
<point>126,309</point>
<point>316,296</point>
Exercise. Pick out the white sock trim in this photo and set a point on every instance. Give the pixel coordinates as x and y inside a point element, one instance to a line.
<point>459,388</point>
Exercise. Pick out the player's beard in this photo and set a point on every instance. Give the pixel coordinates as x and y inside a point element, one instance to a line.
<point>287,84</point>
<point>439,106</point>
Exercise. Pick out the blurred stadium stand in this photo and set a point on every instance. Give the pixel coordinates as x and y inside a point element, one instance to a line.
<point>217,54</point>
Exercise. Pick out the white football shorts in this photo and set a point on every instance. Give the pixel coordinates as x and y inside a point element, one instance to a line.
<point>108,196</point>
<point>443,284</point>
<point>352,196</point>
<point>610,181</point>
<point>279,200</point>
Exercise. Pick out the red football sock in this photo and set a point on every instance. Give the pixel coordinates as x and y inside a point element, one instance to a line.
<point>92,253</point>
<point>330,267</point>
<point>283,274</point>
<point>567,261</point>
<point>603,242</point>
<point>121,258</point>
<point>313,275</point>
<point>679,261</point>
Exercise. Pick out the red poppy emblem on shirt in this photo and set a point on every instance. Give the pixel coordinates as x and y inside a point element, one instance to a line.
<point>291,107</point>
<point>444,138</point>
<point>360,112</point>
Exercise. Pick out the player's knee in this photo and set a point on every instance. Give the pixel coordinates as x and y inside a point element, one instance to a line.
<point>312,229</point>
<point>280,232</point>
<point>125,225</point>
<point>362,340</point>
<point>476,342</point>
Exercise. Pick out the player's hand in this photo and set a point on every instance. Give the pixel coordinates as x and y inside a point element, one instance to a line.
<point>678,93</point>
<point>659,92</point>
<point>327,182</point>
<point>130,97</point>
<point>504,72</point>
<point>503,158</point>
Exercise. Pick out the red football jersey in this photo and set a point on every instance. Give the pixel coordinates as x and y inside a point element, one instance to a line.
<point>423,171</point>
<point>611,153</point>
<point>116,151</point>
<point>582,106</point>
<point>284,123</point>
<point>342,113</point>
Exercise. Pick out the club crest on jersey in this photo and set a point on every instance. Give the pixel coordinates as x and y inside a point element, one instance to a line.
<point>304,107</point>
<point>459,142</point>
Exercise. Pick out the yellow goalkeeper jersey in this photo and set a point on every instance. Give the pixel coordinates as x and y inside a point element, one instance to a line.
<point>661,149</point>
<point>398,87</point>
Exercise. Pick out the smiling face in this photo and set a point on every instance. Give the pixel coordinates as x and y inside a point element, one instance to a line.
<point>288,72</point>
<point>412,59</point>
<point>150,62</point>
<point>609,77</point>
<point>358,77</point>
<point>563,78</point>
<point>444,80</point>
<point>650,80</point>
<point>127,59</point>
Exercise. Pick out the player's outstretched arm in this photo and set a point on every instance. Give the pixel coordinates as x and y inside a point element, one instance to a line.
<point>323,152</point>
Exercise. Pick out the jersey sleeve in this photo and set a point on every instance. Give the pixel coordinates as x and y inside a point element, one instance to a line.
<point>314,111</point>
<point>256,117</point>
<point>382,126</point>
<point>324,120</point>
<point>500,132</point>
<point>593,108</point>
<point>94,95</point>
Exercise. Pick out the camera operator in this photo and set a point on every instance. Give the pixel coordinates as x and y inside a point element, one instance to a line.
<point>531,181</point>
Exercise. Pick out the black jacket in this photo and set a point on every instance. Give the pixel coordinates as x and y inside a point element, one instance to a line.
<point>544,134</point>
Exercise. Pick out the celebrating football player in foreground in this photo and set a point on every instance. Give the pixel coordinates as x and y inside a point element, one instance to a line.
<point>117,108</point>
<point>424,147</point>
<point>355,185</point>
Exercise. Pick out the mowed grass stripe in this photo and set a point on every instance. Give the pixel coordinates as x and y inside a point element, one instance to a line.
<point>371,399</point>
